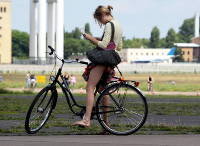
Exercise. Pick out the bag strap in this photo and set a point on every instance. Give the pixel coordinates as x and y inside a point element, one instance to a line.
<point>113,32</point>
<point>119,71</point>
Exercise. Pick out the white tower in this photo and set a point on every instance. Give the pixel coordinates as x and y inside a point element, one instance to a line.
<point>33,29</point>
<point>60,28</point>
<point>42,30</point>
<point>196,25</point>
<point>46,28</point>
<point>51,23</point>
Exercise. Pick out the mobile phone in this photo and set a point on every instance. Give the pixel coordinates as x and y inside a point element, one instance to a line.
<point>82,30</point>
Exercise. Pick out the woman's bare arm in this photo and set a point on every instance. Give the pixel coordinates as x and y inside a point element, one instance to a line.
<point>99,39</point>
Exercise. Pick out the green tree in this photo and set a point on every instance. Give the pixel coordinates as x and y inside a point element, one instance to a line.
<point>171,38</point>
<point>68,35</point>
<point>162,43</point>
<point>76,33</point>
<point>140,42</point>
<point>127,43</point>
<point>74,46</point>
<point>20,44</point>
<point>136,43</point>
<point>155,37</point>
<point>178,56</point>
<point>87,28</point>
<point>186,31</point>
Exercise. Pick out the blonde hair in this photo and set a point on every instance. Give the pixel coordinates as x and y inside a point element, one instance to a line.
<point>100,10</point>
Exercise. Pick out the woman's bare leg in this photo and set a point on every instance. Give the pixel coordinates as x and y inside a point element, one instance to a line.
<point>105,103</point>
<point>94,77</point>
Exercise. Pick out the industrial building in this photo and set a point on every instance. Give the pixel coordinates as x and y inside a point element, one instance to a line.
<point>5,32</point>
<point>191,51</point>
<point>147,55</point>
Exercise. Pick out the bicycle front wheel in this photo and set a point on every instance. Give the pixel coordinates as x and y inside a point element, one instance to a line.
<point>39,111</point>
<point>121,109</point>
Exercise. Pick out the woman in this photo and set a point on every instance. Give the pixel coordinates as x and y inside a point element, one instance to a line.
<point>73,80</point>
<point>103,16</point>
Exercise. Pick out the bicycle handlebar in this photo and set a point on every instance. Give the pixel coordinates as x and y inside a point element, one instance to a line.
<point>65,61</point>
<point>83,62</point>
<point>52,50</point>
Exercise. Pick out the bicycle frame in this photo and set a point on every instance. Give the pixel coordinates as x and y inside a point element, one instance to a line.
<point>66,90</point>
<point>111,99</point>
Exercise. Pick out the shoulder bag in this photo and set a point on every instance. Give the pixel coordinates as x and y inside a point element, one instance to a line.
<point>105,56</point>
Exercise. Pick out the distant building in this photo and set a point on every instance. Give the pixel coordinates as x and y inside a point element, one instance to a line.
<point>5,31</point>
<point>190,51</point>
<point>196,40</point>
<point>147,55</point>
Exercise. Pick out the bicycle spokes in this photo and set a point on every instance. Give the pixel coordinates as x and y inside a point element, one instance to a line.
<point>40,110</point>
<point>122,110</point>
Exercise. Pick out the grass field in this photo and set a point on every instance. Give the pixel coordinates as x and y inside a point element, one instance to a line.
<point>13,109</point>
<point>161,82</point>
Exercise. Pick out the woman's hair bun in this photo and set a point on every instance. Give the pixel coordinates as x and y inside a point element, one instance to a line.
<point>110,7</point>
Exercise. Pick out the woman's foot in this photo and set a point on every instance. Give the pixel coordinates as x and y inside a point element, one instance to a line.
<point>83,123</point>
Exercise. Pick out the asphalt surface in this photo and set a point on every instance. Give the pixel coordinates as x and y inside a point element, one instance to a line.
<point>77,140</point>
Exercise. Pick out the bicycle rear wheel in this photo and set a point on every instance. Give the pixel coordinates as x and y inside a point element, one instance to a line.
<point>121,109</point>
<point>39,111</point>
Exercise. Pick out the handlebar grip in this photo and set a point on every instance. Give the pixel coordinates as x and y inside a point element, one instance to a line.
<point>83,62</point>
<point>52,50</point>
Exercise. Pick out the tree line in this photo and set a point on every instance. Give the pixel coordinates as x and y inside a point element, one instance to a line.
<point>75,44</point>
<point>185,34</point>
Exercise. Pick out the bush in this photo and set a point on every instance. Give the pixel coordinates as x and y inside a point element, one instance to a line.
<point>3,91</point>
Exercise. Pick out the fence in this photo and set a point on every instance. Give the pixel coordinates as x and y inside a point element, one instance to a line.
<point>124,67</point>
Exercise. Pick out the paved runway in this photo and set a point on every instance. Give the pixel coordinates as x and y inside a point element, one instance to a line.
<point>101,140</point>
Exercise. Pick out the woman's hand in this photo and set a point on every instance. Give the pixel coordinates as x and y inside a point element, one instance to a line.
<point>99,39</point>
<point>87,36</point>
<point>90,38</point>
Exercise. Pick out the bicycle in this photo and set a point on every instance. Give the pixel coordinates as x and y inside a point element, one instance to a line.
<point>124,112</point>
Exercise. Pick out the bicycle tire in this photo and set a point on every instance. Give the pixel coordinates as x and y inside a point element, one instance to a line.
<point>49,107</point>
<point>117,106</point>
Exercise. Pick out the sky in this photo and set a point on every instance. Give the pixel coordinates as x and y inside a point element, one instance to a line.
<point>137,17</point>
